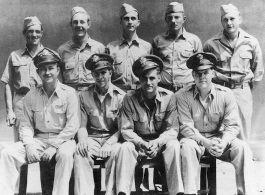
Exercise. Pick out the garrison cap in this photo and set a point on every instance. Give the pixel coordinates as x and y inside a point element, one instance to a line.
<point>146,62</point>
<point>125,9</point>
<point>46,56</point>
<point>174,7</point>
<point>78,9</point>
<point>227,8</point>
<point>30,21</point>
<point>99,61</point>
<point>201,61</point>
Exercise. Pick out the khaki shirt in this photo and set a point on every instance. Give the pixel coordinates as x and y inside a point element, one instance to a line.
<point>74,58</point>
<point>100,119</point>
<point>138,123</point>
<point>124,56</point>
<point>56,119</point>
<point>20,71</point>
<point>220,117</point>
<point>175,53</point>
<point>244,63</point>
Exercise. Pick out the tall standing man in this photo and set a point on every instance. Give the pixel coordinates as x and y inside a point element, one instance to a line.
<point>99,133</point>
<point>174,47</point>
<point>19,77</point>
<point>149,125</point>
<point>127,49</point>
<point>239,63</point>
<point>49,123</point>
<point>208,119</point>
<point>76,52</point>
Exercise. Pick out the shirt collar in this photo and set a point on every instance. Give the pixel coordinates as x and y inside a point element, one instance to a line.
<point>89,42</point>
<point>110,90</point>
<point>25,51</point>
<point>56,91</point>
<point>182,35</point>
<point>212,94</point>
<point>134,41</point>
<point>157,98</point>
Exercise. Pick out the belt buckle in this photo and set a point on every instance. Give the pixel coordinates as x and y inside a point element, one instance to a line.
<point>79,88</point>
<point>232,86</point>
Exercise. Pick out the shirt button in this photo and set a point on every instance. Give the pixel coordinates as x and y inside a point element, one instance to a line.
<point>48,121</point>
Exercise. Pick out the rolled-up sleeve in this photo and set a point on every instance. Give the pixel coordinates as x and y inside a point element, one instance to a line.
<point>257,66</point>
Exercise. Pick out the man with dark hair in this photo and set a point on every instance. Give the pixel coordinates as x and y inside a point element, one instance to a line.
<point>99,132</point>
<point>76,52</point>
<point>127,49</point>
<point>174,47</point>
<point>149,124</point>
<point>49,123</point>
<point>208,119</point>
<point>239,65</point>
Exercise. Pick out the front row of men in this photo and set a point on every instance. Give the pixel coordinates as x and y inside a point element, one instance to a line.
<point>203,116</point>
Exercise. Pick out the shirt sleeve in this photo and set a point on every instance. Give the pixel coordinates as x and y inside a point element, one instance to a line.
<point>72,120</point>
<point>257,66</point>
<point>198,45</point>
<point>171,123</point>
<point>7,74</point>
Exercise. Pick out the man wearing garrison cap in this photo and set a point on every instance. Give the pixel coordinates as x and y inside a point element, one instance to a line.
<point>149,124</point>
<point>76,52</point>
<point>19,77</point>
<point>99,131</point>
<point>49,123</point>
<point>127,49</point>
<point>174,47</point>
<point>240,63</point>
<point>208,119</point>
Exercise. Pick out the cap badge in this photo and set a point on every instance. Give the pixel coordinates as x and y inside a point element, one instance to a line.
<point>95,58</point>
<point>143,60</point>
<point>199,56</point>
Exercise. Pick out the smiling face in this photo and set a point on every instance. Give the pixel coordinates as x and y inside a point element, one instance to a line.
<point>231,22</point>
<point>48,73</point>
<point>33,34</point>
<point>175,21</point>
<point>102,78</point>
<point>130,21</point>
<point>80,25</point>
<point>203,78</point>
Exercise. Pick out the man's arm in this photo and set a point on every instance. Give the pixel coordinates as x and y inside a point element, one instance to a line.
<point>11,117</point>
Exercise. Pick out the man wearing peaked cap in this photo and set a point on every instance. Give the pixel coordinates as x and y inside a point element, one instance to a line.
<point>239,53</point>
<point>50,120</point>
<point>19,77</point>
<point>76,52</point>
<point>208,118</point>
<point>126,50</point>
<point>99,132</point>
<point>149,124</point>
<point>174,47</point>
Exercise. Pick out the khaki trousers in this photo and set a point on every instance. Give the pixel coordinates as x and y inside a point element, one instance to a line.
<point>14,156</point>
<point>238,153</point>
<point>127,160</point>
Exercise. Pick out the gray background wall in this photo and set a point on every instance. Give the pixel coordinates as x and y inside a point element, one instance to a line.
<point>203,19</point>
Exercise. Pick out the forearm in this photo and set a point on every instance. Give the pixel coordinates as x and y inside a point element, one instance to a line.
<point>114,138</point>
<point>166,136</point>
<point>8,98</point>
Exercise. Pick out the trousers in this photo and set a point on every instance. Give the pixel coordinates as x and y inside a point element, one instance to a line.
<point>14,156</point>
<point>127,161</point>
<point>238,153</point>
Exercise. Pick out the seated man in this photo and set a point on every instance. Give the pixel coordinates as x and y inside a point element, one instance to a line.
<point>208,118</point>
<point>98,135</point>
<point>150,127</point>
<point>49,123</point>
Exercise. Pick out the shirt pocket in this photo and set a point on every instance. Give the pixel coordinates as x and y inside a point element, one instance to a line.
<point>38,117</point>
<point>69,67</point>
<point>112,114</point>
<point>140,123</point>
<point>20,69</point>
<point>60,114</point>
<point>119,68</point>
<point>215,117</point>
<point>245,57</point>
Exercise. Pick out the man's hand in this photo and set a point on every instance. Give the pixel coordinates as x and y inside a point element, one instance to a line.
<point>11,118</point>
<point>105,150</point>
<point>85,148</point>
<point>215,146</point>
<point>48,154</point>
<point>32,154</point>
<point>152,148</point>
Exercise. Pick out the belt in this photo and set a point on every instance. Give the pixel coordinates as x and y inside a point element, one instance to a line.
<point>233,85</point>
<point>170,87</point>
<point>79,87</point>
<point>126,86</point>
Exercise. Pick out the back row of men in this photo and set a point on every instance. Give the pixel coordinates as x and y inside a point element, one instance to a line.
<point>149,118</point>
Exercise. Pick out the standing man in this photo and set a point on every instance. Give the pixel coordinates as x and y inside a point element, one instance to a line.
<point>100,130</point>
<point>208,119</point>
<point>49,123</point>
<point>19,77</point>
<point>174,47</point>
<point>239,63</point>
<point>127,49</point>
<point>76,52</point>
<point>150,127</point>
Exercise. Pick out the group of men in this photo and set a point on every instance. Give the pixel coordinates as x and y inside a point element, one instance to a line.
<point>125,104</point>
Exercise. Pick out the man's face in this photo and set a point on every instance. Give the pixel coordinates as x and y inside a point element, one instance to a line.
<point>175,21</point>
<point>231,22</point>
<point>130,21</point>
<point>203,78</point>
<point>33,34</point>
<point>80,24</point>
<point>149,81</point>
<point>48,73</point>
<point>102,77</point>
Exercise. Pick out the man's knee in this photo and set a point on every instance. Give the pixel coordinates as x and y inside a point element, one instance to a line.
<point>127,147</point>
<point>173,145</point>
<point>187,146</point>
<point>240,147</point>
